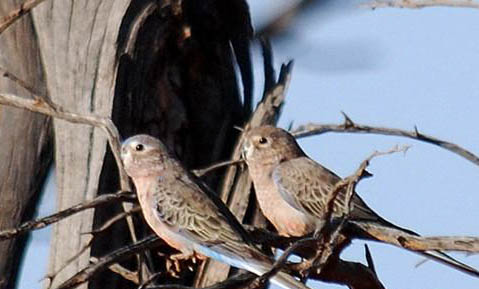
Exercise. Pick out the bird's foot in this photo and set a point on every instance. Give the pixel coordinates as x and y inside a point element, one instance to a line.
<point>174,260</point>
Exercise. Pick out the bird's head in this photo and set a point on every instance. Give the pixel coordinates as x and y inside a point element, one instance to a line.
<point>143,155</point>
<point>269,145</point>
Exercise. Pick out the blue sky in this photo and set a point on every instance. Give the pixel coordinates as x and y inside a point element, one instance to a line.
<point>388,67</point>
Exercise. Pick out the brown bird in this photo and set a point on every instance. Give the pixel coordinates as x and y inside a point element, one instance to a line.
<point>292,191</point>
<point>186,214</point>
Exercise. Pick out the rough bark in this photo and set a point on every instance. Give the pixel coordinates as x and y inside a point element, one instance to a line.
<point>78,46</point>
<point>26,138</point>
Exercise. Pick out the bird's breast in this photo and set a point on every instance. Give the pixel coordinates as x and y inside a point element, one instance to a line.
<point>286,219</point>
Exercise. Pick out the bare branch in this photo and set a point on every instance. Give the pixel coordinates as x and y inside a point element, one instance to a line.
<point>18,81</point>
<point>51,276</point>
<point>202,172</point>
<point>414,4</point>
<point>351,127</point>
<point>419,243</point>
<point>122,271</point>
<point>16,14</point>
<point>105,123</point>
<point>104,262</point>
<point>115,219</point>
<point>282,260</point>
<point>43,222</point>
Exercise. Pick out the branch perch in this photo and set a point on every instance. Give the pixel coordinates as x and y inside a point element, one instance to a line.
<point>43,222</point>
<point>351,127</point>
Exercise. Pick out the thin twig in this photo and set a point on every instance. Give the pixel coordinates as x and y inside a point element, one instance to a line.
<point>44,107</point>
<point>17,80</point>
<point>114,219</point>
<point>202,172</point>
<point>150,280</point>
<point>282,260</point>
<point>351,127</point>
<point>122,271</point>
<point>43,222</point>
<point>328,238</point>
<point>51,276</point>
<point>104,262</point>
<point>413,4</point>
<point>16,14</point>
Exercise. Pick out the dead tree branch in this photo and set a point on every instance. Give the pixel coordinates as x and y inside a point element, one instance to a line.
<point>43,222</point>
<point>132,276</point>
<point>202,172</point>
<point>41,105</point>
<point>351,127</point>
<point>51,276</point>
<point>17,80</point>
<point>419,243</point>
<point>106,261</point>
<point>16,14</point>
<point>418,4</point>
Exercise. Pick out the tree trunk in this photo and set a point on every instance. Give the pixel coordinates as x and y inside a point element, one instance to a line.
<point>26,138</point>
<point>78,49</point>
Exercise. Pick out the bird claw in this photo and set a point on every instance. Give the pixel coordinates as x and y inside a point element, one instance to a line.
<point>169,265</point>
<point>174,261</point>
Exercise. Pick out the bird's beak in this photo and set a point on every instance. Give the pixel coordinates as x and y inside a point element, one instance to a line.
<point>247,150</point>
<point>125,153</point>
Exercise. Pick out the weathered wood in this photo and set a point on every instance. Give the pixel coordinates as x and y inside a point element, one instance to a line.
<point>78,45</point>
<point>26,138</point>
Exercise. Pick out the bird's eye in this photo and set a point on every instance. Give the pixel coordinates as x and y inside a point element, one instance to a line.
<point>262,140</point>
<point>139,147</point>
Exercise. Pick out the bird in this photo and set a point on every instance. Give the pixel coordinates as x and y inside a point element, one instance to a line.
<point>292,191</point>
<point>187,215</point>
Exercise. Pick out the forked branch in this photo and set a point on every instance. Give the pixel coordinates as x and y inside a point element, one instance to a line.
<point>351,127</point>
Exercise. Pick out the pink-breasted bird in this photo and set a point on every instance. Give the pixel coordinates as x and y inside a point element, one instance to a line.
<point>292,191</point>
<point>185,213</point>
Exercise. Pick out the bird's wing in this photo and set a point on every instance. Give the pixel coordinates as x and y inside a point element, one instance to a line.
<point>220,206</point>
<point>306,185</point>
<point>183,207</point>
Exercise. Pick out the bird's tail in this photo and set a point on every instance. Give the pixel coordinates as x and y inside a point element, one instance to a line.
<point>448,260</point>
<point>255,262</point>
<point>281,279</point>
<point>394,235</point>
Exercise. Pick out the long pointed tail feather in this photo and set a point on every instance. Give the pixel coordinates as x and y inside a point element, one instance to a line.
<point>281,279</point>
<point>258,265</point>
<point>448,260</point>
